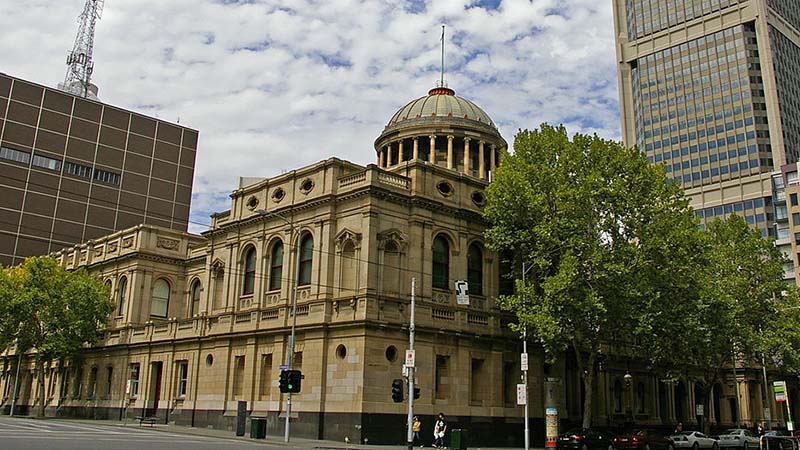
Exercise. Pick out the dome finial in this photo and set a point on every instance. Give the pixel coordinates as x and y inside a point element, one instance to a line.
<point>441,81</point>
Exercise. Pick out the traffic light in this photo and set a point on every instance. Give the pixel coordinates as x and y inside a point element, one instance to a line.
<point>397,390</point>
<point>295,380</point>
<point>284,381</point>
<point>416,393</point>
<point>290,381</point>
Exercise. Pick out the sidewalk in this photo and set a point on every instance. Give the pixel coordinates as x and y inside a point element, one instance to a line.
<point>295,443</point>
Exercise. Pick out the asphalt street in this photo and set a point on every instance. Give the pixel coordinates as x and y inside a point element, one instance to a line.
<point>34,434</point>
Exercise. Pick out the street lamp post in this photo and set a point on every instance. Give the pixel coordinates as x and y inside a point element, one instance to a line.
<point>290,355</point>
<point>525,368</point>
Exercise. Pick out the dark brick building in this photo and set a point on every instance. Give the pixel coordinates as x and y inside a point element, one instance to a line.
<point>73,169</point>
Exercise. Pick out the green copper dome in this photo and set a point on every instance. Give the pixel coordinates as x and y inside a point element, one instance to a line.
<point>440,103</point>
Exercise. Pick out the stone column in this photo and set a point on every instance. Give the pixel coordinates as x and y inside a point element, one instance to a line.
<point>400,155</point>
<point>481,161</point>
<point>388,155</point>
<point>432,155</point>
<point>492,159</point>
<point>415,153</point>
<point>466,156</point>
<point>380,158</point>
<point>450,152</point>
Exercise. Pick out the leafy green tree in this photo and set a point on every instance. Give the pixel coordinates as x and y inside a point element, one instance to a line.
<point>602,233</point>
<point>55,313</point>
<point>737,311</point>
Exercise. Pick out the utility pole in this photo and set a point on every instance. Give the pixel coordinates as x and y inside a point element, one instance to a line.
<point>524,364</point>
<point>412,371</point>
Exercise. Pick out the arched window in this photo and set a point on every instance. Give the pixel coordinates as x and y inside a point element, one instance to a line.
<point>441,262</point>
<point>391,267</point>
<point>219,288</point>
<point>306,258</point>
<point>640,392</point>
<point>475,269</point>
<point>249,282</point>
<point>617,396</point>
<point>507,281</point>
<point>122,293</point>
<point>348,281</point>
<point>276,266</point>
<point>159,305</point>
<point>195,298</point>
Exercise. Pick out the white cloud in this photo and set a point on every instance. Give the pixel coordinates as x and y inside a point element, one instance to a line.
<point>276,85</point>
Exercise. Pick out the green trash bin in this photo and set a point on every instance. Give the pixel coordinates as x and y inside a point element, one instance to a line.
<point>458,439</point>
<point>258,428</point>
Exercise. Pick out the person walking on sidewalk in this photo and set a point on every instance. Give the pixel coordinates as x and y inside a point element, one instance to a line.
<point>416,427</point>
<point>439,430</point>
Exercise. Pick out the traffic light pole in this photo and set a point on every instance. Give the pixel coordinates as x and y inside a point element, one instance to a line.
<point>290,356</point>
<point>411,370</point>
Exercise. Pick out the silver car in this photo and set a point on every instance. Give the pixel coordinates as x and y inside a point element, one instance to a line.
<point>694,440</point>
<point>738,438</point>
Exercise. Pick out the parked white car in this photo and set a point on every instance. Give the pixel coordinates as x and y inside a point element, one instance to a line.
<point>694,440</point>
<point>738,438</point>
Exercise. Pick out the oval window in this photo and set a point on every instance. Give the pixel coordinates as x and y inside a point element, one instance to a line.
<point>306,186</point>
<point>391,353</point>
<point>444,188</point>
<point>252,203</point>
<point>209,360</point>
<point>478,198</point>
<point>341,351</point>
<point>278,194</point>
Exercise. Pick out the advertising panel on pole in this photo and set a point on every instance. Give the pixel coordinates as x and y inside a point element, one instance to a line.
<point>551,427</point>
<point>522,395</point>
<point>780,391</point>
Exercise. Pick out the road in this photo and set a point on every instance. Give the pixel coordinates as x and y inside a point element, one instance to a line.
<point>33,434</point>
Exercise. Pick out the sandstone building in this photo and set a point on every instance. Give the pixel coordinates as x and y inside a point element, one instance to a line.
<point>202,322</point>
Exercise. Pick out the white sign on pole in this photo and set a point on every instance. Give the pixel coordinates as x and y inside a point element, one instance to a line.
<point>462,292</point>
<point>698,409</point>
<point>128,387</point>
<point>410,358</point>
<point>524,361</point>
<point>522,395</point>
<point>779,387</point>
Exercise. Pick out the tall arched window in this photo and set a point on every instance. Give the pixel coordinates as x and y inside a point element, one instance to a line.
<point>475,269</point>
<point>441,262</point>
<point>617,396</point>
<point>306,258</point>
<point>159,305</point>
<point>348,280</point>
<point>122,294</point>
<point>219,288</point>
<point>640,394</point>
<point>195,298</point>
<point>249,281</point>
<point>276,266</point>
<point>506,273</point>
<point>391,267</point>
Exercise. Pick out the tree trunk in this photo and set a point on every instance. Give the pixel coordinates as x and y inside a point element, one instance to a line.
<point>588,384</point>
<point>42,392</point>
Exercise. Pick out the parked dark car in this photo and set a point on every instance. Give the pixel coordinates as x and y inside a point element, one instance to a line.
<point>585,439</point>
<point>778,440</point>
<point>643,440</point>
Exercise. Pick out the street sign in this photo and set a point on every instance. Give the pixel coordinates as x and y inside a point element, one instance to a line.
<point>522,394</point>
<point>780,391</point>
<point>410,358</point>
<point>283,367</point>
<point>128,387</point>
<point>698,409</point>
<point>462,292</point>
<point>524,361</point>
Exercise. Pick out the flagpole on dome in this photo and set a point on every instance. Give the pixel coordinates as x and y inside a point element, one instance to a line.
<point>441,81</point>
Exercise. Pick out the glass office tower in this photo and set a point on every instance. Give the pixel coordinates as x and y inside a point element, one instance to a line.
<point>711,89</point>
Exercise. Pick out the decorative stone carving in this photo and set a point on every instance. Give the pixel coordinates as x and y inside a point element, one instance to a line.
<point>127,242</point>
<point>112,247</point>
<point>399,238</point>
<point>168,244</point>
<point>98,251</point>
<point>347,235</point>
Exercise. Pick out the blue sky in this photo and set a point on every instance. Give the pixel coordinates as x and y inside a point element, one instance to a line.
<point>276,85</point>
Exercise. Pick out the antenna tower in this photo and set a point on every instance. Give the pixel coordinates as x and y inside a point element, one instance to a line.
<point>79,61</point>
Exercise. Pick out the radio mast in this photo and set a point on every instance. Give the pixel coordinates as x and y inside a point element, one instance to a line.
<point>79,60</point>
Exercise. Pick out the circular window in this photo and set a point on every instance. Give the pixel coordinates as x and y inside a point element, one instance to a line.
<point>278,194</point>
<point>209,360</point>
<point>252,203</point>
<point>478,198</point>
<point>445,188</point>
<point>341,351</point>
<point>391,353</point>
<point>306,186</point>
